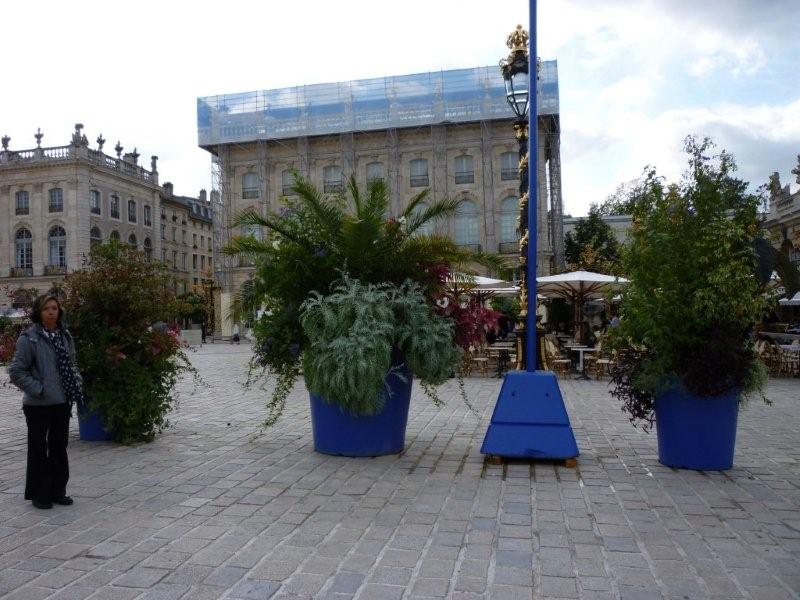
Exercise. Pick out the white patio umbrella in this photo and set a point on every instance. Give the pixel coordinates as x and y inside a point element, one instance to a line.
<point>793,301</point>
<point>578,286</point>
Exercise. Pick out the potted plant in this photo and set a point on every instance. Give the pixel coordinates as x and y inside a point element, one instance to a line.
<point>130,360</point>
<point>685,355</point>
<point>348,295</point>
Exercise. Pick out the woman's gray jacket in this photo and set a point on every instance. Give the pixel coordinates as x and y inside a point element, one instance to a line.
<point>34,369</point>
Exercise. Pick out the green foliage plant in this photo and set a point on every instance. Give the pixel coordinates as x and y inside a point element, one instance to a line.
<point>693,299</point>
<point>357,330</point>
<point>313,240</point>
<point>592,245</point>
<point>129,366</point>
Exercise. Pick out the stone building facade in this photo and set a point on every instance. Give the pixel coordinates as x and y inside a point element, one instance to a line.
<point>185,231</point>
<point>458,144</point>
<point>56,202</point>
<point>783,218</point>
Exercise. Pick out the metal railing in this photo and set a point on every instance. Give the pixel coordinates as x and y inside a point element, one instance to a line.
<point>55,270</point>
<point>465,177</point>
<point>21,271</point>
<point>508,247</point>
<point>509,174</point>
<point>419,180</point>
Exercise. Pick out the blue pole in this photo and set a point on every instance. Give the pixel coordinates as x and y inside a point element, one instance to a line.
<point>533,172</point>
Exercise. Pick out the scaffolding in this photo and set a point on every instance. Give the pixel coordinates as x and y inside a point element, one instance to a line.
<point>456,96</point>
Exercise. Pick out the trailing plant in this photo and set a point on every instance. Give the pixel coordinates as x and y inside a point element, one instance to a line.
<point>693,297</point>
<point>130,360</point>
<point>311,242</point>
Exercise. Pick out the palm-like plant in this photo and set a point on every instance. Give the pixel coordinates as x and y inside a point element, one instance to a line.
<point>319,238</point>
<point>316,240</point>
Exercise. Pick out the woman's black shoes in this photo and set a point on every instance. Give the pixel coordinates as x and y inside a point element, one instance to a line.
<point>43,504</point>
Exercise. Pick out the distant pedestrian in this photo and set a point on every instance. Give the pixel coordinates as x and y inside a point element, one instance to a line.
<point>203,332</point>
<point>44,369</point>
<point>235,337</point>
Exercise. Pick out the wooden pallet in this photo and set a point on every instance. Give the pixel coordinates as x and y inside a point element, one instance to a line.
<point>569,463</point>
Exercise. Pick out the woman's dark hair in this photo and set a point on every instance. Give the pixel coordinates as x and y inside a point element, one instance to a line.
<point>38,306</point>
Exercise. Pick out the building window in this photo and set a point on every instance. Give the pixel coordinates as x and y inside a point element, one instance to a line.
<point>253,231</point>
<point>466,223</point>
<point>131,211</point>
<point>209,243</point>
<point>148,249</point>
<point>23,206</point>
<point>509,211</point>
<point>174,234</point>
<point>250,186</point>
<point>427,228</point>
<point>183,236</point>
<point>202,241</point>
<point>164,255</point>
<point>194,240</point>
<point>132,241</point>
<point>114,236</point>
<point>332,182</point>
<point>56,203</point>
<point>58,247</point>
<point>194,262</point>
<point>94,202</point>
<point>375,172</point>
<point>148,219</point>
<point>203,261</point>
<point>509,166</point>
<point>419,172</point>
<point>114,206</point>
<point>465,170</point>
<point>23,244</point>
<point>183,262</point>
<point>163,231</point>
<point>174,259</point>
<point>95,237</point>
<point>287,182</point>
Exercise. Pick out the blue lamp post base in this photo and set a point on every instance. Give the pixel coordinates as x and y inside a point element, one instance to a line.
<point>530,420</point>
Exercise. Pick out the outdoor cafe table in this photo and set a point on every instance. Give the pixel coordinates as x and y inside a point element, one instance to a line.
<point>581,350</point>
<point>496,350</point>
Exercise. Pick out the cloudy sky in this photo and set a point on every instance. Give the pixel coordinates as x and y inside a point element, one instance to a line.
<point>635,77</point>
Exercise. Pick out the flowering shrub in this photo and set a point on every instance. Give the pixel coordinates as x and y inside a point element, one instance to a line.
<point>130,360</point>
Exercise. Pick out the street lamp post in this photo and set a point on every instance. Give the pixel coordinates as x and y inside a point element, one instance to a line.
<point>516,77</point>
<point>529,419</point>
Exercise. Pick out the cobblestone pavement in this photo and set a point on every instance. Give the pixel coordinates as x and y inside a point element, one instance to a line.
<point>213,510</point>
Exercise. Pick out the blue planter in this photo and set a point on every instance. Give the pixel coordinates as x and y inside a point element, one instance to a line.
<point>342,434</point>
<point>696,432</point>
<point>91,426</point>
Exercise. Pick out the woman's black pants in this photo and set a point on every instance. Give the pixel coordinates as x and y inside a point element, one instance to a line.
<point>48,467</point>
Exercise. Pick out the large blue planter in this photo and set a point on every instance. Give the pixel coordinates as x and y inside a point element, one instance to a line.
<point>91,427</point>
<point>342,434</point>
<point>696,432</point>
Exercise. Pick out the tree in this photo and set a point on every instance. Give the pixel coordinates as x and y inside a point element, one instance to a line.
<point>592,245</point>
<point>623,200</point>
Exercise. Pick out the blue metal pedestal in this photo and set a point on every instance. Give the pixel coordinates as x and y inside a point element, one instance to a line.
<point>530,420</point>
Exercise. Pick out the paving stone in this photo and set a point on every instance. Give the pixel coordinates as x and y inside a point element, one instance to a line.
<point>209,510</point>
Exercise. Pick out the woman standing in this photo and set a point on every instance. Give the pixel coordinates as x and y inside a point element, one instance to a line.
<point>44,369</point>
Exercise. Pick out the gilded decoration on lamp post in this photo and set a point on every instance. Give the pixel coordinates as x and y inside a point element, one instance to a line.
<point>515,75</point>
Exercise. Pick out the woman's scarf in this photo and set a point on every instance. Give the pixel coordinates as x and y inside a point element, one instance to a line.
<point>69,380</point>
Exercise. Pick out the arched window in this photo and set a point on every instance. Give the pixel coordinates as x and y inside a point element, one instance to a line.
<point>427,228</point>
<point>114,236</point>
<point>56,200</point>
<point>148,249</point>
<point>287,182</point>
<point>23,206</point>
<point>509,166</point>
<point>465,170</point>
<point>332,182</point>
<point>132,240</point>
<point>250,188</point>
<point>131,211</point>
<point>467,223</point>
<point>58,246</point>
<point>95,237</point>
<point>23,249</point>
<point>419,172</point>
<point>509,211</point>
